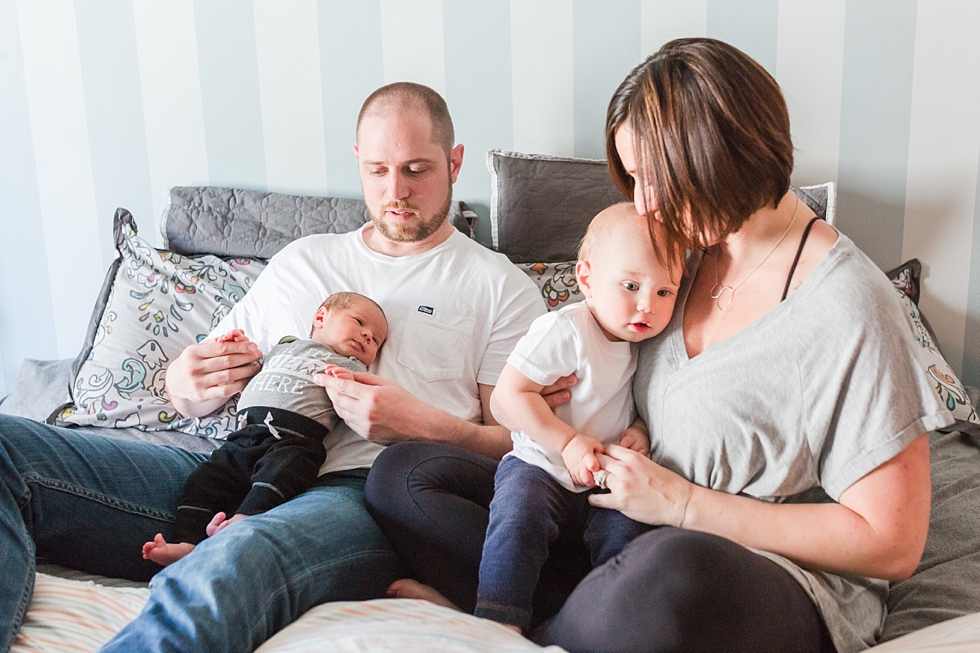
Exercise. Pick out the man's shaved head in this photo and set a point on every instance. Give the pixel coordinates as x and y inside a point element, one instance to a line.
<point>409,96</point>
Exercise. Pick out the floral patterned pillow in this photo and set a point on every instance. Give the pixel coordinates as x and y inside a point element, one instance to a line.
<point>906,278</point>
<point>158,303</point>
<point>557,282</point>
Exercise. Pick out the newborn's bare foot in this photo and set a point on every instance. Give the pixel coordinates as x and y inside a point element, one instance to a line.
<point>162,553</point>
<point>406,588</point>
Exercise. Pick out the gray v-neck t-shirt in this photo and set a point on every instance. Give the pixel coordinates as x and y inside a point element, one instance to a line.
<point>796,407</point>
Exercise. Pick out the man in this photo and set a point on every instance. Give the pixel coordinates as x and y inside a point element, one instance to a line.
<point>455,311</point>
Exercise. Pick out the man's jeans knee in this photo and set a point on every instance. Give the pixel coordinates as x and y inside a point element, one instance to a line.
<point>79,500</point>
<point>238,588</point>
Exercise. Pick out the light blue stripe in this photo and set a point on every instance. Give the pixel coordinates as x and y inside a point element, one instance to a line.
<point>351,67</point>
<point>478,91</point>
<point>971,339</point>
<point>26,313</point>
<point>876,107</point>
<point>114,108</point>
<point>229,70</point>
<point>606,47</point>
<point>750,25</point>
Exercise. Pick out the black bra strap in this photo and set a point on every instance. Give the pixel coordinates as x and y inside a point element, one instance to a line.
<point>792,270</point>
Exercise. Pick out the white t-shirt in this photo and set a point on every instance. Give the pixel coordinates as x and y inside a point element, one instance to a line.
<point>566,341</point>
<point>454,314</point>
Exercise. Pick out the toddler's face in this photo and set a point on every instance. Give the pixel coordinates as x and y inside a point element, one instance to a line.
<point>358,330</point>
<point>630,293</point>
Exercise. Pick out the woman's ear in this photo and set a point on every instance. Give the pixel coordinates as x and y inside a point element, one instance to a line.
<point>583,273</point>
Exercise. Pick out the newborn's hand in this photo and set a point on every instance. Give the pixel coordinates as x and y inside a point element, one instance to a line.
<point>338,372</point>
<point>580,457</point>
<point>235,335</point>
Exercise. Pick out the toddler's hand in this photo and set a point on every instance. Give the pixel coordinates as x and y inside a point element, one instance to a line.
<point>580,458</point>
<point>636,439</point>
<point>338,372</point>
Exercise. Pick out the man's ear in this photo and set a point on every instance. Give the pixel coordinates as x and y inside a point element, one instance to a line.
<point>583,273</point>
<point>354,150</point>
<point>455,161</point>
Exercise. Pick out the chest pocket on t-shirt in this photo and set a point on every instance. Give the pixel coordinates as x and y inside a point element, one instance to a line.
<point>436,344</point>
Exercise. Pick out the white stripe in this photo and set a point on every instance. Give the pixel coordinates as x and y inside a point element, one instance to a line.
<point>542,76</point>
<point>810,69</point>
<point>413,42</point>
<point>56,103</point>
<point>166,45</point>
<point>944,147</point>
<point>288,46</point>
<point>665,20</point>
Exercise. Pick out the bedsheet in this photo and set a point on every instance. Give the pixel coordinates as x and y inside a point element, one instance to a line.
<point>80,613</point>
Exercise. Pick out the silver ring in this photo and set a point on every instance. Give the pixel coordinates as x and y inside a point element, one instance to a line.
<point>600,478</point>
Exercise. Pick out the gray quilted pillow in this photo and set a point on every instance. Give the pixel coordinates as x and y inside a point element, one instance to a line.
<point>253,224</point>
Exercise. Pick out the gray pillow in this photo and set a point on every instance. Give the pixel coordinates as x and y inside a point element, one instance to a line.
<point>540,206</point>
<point>253,224</point>
<point>946,584</point>
<point>40,389</point>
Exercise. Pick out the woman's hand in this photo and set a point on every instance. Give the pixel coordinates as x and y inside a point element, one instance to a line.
<point>641,489</point>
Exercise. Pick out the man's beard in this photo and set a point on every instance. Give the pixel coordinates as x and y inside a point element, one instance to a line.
<point>414,231</point>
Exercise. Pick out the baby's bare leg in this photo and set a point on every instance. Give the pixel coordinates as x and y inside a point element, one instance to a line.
<point>163,553</point>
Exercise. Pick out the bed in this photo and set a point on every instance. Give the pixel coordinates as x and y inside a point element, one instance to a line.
<point>216,240</point>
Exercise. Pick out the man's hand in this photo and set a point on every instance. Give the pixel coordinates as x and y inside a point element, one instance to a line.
<point>377,409</point>
<point>559,392</point>
<point>581,458</point>
<point>207,373</point>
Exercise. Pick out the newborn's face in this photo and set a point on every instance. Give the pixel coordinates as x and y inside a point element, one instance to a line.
<point>358,330</point>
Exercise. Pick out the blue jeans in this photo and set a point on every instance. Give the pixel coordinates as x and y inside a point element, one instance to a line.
<point>528,511</point>
<point>90,502</point>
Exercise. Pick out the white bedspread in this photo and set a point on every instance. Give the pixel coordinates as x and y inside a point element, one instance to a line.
<point>70,616</point>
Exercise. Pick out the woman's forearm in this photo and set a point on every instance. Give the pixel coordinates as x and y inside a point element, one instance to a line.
<point>878,528</point>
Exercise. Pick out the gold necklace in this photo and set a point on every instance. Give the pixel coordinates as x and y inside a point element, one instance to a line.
<point>718,290</point>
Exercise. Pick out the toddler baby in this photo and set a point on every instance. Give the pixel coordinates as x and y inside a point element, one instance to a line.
<point>543,484</point>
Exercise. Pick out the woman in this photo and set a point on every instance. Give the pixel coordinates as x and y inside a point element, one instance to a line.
<point>789,466</point>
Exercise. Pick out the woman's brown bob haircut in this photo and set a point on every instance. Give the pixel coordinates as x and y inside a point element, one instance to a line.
<point>710,136</point>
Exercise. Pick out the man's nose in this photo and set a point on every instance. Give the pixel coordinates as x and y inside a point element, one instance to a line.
<point>398,186</point>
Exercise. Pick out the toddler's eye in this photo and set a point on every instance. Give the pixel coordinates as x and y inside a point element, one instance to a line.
<point>663,292</point>
<point>631,286</point>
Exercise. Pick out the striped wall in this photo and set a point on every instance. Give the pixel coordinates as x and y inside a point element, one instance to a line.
<point>106,104</point>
